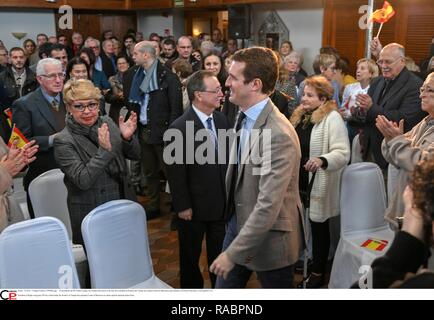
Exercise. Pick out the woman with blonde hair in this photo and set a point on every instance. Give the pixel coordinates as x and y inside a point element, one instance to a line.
<point>91,151</point>
<point>325,149</point>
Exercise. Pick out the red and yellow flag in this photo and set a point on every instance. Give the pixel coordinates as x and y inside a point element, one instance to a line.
<point>384,14</point>
<point>375,244</point>
<point>18,136</point>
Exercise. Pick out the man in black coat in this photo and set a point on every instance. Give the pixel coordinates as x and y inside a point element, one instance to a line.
<point>197,188</point>
<point>40,115</point>
<point>17,80</point>
<point>395,95</point>
<point>154,93</point>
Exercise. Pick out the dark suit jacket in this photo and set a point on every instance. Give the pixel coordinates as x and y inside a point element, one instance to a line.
<point>400,102</point>
<point>33,116</point>
<point>165,104</point>
<point>197,186</point>
<point>107,65</point>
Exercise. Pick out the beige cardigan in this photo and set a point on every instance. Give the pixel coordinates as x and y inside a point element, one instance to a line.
<point>329,139</point>
<point>404,152</point>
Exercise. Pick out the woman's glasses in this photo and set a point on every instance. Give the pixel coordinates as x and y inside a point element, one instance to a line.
<point>81,107</point>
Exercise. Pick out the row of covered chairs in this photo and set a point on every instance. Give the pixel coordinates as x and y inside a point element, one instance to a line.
<point>117,245</point>
<point>37,253</point>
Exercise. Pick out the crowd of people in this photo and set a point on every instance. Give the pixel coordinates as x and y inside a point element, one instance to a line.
<point>89,106</point>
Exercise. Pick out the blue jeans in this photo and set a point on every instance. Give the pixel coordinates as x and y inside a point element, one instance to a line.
<point>240,275</point>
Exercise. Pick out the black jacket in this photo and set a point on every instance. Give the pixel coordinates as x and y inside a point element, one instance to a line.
<point>165,104</point>
<point>400,102</point>
<point>10,89</point>
<point>200,187</point>
<point>107,65</point>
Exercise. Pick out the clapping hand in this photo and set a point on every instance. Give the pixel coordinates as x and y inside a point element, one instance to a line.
<point>14,161</point>
<point>128,127</point>
<point>30,149</point>
<point>104,137</point>
<point>388,128</point>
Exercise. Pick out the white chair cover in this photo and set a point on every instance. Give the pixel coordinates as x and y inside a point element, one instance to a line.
<point>49,195</point>
<point>363,202</point>
<point>36,254</point>
<point>116,240</point>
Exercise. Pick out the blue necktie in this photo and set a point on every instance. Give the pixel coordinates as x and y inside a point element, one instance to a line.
<point>209,127</point>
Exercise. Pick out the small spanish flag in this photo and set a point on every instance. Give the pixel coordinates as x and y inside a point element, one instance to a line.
<point>384,14</point>
<point>8,113</point>
<point>375,244</point>
<point>17,135</point>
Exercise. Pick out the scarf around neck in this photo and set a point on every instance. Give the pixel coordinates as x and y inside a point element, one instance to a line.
<point>143,83</point>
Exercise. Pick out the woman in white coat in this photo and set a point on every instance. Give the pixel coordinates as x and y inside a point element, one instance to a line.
<point>325,148</point>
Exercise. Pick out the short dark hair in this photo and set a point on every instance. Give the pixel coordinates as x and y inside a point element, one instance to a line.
<point>196,82</point>
<point>43,35</point>
<point>169,41</point>
<point>260,63</point>
<point>16,49</point>
<point>57,47</point>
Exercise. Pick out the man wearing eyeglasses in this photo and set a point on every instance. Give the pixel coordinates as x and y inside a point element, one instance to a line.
<point>40,116</point>
<point>198,189</point>
<point>395,95</point>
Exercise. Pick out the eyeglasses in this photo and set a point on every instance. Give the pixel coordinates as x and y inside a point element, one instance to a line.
<point>81,107</point>
<point>387,62</point>
<point>216,91</point>
<point>428,91</point>
<point>53,76</point>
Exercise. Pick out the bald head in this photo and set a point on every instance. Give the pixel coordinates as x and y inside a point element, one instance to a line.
<point>184,47</point>
<point>396,48</point>
<point>392,60</point>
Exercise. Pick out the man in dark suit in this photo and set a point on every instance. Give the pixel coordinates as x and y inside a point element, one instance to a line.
<point>394,95</point>
<point>154,93</point>
<point>40,115</point>
<point>108,58</point>
<point>264,230</point>
<point>198,190</point>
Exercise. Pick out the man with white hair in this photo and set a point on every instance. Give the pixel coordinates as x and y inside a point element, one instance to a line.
<point>40,115</point>
<point>394,95</point>
<point>96,48</point>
